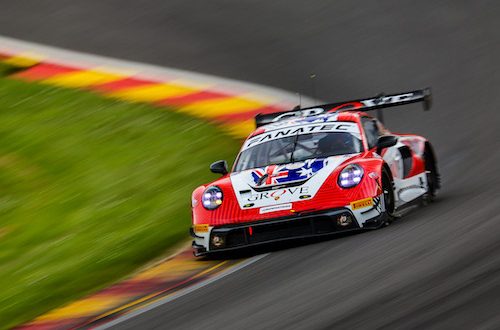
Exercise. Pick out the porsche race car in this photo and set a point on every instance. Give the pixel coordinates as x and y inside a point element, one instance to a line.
<point>315,171</point>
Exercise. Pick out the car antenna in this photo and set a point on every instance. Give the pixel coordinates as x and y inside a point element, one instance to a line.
<point>312,76</point>
<point>298,106</point>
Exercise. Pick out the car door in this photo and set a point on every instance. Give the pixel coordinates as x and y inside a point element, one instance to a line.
<point>398,158</point>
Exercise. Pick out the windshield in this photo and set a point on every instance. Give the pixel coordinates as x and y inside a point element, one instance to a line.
<point>298,147</point>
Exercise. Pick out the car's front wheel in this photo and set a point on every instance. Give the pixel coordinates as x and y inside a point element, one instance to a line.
<point>388,195</point>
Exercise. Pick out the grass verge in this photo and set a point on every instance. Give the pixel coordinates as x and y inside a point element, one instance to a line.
<point>90,189</point>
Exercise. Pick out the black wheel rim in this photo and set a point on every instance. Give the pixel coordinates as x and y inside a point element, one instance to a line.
<point>388,196</point>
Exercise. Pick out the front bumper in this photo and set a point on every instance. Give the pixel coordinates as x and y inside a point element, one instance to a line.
<point>278,229</point>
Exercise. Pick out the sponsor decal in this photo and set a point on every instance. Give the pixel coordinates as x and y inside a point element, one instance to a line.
<point>362,203</point>
<point>277,194</point>
<point>351,105</point>
<point>275,208</point>
<point>294,120</point>
<point>318,119</point>
<point>309,176</point>
<point>377,101</point>
<point>377,205</point>
<point>300,113</point>
<point>388,99</point>
<point>201,228</point>
<point>269,175</point>
<point>305,129</point>
<point>282,174</point>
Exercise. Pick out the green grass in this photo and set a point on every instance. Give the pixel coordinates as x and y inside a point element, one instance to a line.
<point>90,189</point>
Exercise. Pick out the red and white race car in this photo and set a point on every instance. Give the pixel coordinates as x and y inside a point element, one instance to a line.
<point>312,172</point>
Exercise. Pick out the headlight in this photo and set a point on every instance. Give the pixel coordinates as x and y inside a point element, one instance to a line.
<point>350,176</point>
<point>212,198</point>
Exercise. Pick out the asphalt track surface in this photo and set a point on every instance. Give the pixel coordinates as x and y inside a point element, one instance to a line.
<point>439,267</point>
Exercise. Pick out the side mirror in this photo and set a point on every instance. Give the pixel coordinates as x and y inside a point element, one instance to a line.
<point>386,141</point>
<point>219,166</point>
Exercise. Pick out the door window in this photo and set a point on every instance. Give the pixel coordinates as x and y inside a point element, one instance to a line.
<point>371,131</point>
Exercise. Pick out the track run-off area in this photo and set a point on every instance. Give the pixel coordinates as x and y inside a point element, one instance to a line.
<point>439,266</point>
<point>229,104</point>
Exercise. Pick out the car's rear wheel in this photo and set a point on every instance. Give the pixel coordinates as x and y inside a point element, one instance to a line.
<point>433,179</point>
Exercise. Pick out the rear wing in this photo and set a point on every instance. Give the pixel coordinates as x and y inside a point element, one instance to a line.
<point>378,102</point>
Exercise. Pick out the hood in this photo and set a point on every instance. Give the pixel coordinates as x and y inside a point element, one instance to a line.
<point>281,184</point>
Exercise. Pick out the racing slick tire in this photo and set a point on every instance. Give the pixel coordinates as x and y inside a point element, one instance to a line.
<point>433,178</point>
<point>388,195</point>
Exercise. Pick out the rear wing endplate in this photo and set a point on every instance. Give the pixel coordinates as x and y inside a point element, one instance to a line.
<point>378,102</point>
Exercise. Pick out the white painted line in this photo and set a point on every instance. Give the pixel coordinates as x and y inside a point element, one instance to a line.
<point>266,94</point>
<point>181,293</point>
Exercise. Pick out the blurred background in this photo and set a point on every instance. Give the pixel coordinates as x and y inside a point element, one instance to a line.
<point>437,268</point>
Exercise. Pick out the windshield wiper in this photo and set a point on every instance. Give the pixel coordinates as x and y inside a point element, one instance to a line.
<point>262,178</point>
<point>295,141</point>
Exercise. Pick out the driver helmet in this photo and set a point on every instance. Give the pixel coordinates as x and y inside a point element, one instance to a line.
<point>335,143</point>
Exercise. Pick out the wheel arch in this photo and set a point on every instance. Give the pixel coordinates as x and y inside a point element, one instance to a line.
<point>385,167</point>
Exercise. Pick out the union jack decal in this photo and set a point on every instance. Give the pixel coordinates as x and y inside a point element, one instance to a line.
<point>279,174</point>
